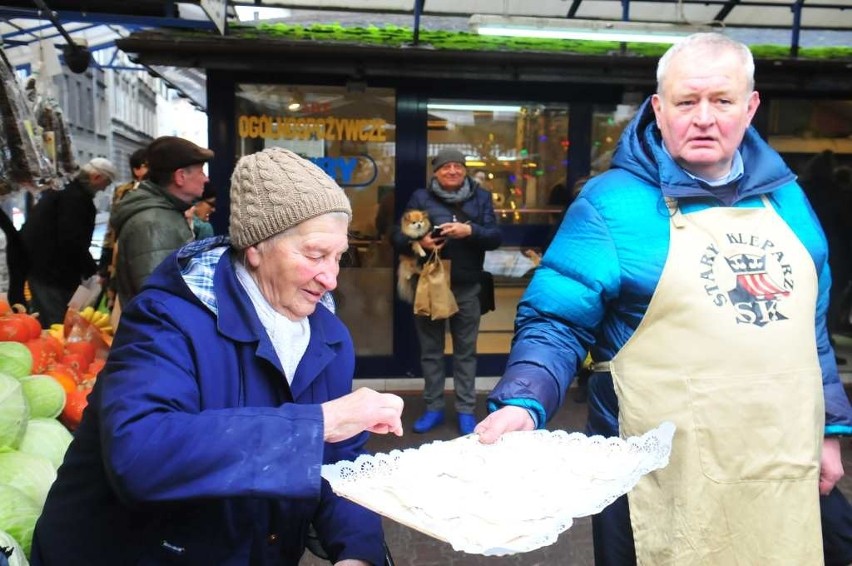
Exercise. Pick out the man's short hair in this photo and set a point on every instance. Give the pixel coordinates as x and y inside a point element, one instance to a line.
<point>712,41</point>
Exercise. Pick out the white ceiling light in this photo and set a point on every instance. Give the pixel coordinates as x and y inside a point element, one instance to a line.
<point>473,107</point>
<point>259,13</point>
<point>588,30</point>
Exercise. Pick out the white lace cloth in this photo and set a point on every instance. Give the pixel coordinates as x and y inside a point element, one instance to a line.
<point>513,496</point>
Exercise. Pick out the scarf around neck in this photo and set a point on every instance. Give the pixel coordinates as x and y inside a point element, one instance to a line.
<point>461,195</point>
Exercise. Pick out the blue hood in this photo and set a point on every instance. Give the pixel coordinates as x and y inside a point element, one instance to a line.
<point>640,151</point>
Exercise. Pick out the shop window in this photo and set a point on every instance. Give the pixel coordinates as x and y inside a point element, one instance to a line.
<point>519,152</point>
<point>608,122</point>
<point>351,135</point>
<point>799,129</point>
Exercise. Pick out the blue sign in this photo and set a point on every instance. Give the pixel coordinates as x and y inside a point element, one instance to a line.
<point>342,169</point>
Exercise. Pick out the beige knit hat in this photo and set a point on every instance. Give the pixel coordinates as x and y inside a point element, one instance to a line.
<point>275,189</point>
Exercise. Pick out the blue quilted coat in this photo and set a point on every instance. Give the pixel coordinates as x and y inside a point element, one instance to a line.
<point>597,277</point>
<point>194,449</point>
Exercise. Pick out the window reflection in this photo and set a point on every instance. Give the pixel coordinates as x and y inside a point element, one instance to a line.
<point>800,129</point>
<point>608,122</point>
<point>518,151</point>
<point>352,136</point>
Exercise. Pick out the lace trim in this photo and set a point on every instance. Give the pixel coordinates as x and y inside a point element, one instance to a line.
<point>513,496</point>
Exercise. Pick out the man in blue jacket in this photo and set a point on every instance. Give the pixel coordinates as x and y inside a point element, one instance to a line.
<point>696,273</point>
<point>228,386</point>
<point>464,214</point>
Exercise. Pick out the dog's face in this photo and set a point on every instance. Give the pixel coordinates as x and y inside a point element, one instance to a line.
<point>415,224</point>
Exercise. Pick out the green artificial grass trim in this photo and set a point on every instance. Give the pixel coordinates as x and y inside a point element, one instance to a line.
<point>395,36</point>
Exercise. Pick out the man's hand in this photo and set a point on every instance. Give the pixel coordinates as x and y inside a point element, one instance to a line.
<point>351,562</point>
<point>456,230</point>
<point>429,243</point>
<point>507,419</point>
<point>831,465</point>
<point>363,409</point>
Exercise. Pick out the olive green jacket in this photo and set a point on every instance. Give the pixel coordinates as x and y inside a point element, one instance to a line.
<point>150,223</point>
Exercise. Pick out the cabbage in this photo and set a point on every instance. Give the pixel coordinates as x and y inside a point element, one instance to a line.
<point>18,516</point>
<point>14,412</point>
<point>31,474</point>
<point>16,558</point>
<point>47,438</point>
<point>45,396</point>
<point>15,359</point>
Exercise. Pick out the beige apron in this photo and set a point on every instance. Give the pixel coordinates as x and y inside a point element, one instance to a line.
<point>726,351</point>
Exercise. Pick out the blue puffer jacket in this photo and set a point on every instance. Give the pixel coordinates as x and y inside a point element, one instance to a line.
<point>597,277</point>
<point>193,449</point>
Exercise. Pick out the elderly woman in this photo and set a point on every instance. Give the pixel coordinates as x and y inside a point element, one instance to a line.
<point>226,390</point>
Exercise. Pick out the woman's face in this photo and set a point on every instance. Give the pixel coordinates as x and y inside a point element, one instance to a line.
<point>296,268</point>
<point>204,208</point>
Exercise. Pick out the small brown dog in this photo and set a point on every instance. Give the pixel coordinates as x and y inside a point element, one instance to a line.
<point>414,224</point>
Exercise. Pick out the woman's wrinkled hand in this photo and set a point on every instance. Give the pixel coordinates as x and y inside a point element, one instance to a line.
<point>363,409</point>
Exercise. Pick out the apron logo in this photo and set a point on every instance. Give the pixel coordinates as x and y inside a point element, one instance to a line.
<point>748,275</point>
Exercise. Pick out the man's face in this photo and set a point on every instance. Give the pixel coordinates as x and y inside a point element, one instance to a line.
<point>703,110</point>
<point>451,176</point>
<point>189,182</point>
<point>294,271</point>
<point>99,182</point>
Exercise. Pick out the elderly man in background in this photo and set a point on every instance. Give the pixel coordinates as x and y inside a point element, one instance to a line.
<point>463,215</point>
<point>228,386</point>
<point>57,237</point>
<point>150,221</point>
<point>696,272</point>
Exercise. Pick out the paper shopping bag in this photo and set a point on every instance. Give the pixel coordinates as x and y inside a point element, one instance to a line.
<point>433,289</point>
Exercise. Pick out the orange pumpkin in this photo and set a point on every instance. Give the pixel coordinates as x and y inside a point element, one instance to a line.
<point>83,348</point>
<point>53,344</point>
<point>76,362</point>
<point>14,329</point>
<point>66,381</point>
<point>29,322</point>
<point>75,402</point>
<point>96,366</point>
<point>42,354</point>
<point>5,307</point>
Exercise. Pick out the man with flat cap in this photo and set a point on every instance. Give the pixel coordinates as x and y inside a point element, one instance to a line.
<point>150,220</point>
<point>463,213</point>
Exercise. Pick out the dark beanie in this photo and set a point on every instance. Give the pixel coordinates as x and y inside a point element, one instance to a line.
<point>447,156</point>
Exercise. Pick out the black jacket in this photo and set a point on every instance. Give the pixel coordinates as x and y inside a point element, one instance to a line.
<point>57,236</point>
<point>467,254</point>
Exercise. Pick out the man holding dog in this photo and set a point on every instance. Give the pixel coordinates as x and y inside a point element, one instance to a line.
<point>463,213</point>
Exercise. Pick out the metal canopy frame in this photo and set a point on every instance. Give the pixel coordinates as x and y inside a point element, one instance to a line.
<point>102,22</point>
<point>794,16</point>
<point>99,26</point>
